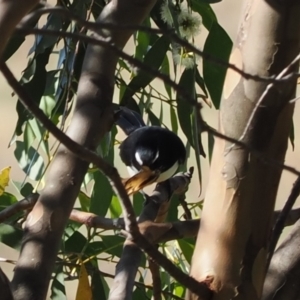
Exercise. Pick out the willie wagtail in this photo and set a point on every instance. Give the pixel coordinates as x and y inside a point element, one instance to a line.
<point>151,153</point>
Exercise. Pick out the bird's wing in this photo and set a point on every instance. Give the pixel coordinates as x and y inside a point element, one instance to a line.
<point>129,120</point>
<point>140,180</point>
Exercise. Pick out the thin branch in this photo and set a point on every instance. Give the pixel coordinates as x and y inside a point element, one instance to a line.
<point>94,26</point>
<point>96,40</point>
<point>270,86</point>
<point>156,280</point>
<point>198,288</point>
<point>281,220</point>
<point>204,126</point>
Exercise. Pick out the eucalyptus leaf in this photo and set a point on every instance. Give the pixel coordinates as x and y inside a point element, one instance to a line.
<point>154,59</point>
<point>218,45</point>
<point>29,161</point>
<point>101,195</point>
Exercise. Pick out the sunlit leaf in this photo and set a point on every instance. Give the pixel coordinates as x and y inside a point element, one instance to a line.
<point>28,136</point>
<point>31,162</point>
<point>187,247</point>
<point>84,291</point>
<point>115,207</point>
<point>138,202</point>
<point>39,131</point>
<point>4,179</point>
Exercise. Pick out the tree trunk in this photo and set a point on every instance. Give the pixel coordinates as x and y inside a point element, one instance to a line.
<point>232,243</point>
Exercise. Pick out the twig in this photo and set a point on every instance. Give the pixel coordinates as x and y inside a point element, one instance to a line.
<point>280,222</point>
<point>173,84</point>
<point>131,227</point>
<point>264,94</point>
<point>156,280</point>
<point>168,32</point>
<point>74,147</point>
<point>96,40</point>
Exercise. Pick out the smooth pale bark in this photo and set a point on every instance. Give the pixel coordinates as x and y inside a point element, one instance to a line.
<point>231,248</point>
<point>92,117</point>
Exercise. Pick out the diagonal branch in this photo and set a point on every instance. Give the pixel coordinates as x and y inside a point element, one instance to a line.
<point>129,216</point>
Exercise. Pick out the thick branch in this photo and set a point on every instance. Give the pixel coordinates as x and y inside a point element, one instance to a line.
<point>92,118</point>
<point>282,281</point>
<point>6,293</point>
<point>155,209</point>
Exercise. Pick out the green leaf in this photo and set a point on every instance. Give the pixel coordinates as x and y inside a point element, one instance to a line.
<point>58,290</point>
<point>28,136</point>
<point>29,161</point>
<point>198,146</point>
<point>200,81</point>
<point>187,247</point>
<point>154,59</point>
<point>34,87</point>
<point>184,109</point>
<point>101,195</point>
<point>139,293</point>
<point>165,69</point>
<point>153,118</point>
<point>211,142</point>
<point>99,286</point>
<point>173,209</point>
<point>13,45</point>
<point>11,236</point>
<point>26,190</point>
<point>206,12</point>
<point>42,42</point>
<point>84,200</point>
<point>174,122</point>
<point>115,207</point>
<point>142,40</point>
<point>138,203</point>
<point>7,199</point>
<point>75,243</point>
<point>39,131</point>
<point>113,244</point>
<point>218,45</point>
<point>95,248</point>
<point>292,136</point>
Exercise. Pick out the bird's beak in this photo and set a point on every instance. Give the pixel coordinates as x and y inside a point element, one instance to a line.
<point>140,180</point>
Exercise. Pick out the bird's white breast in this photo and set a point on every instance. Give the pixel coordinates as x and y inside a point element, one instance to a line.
<point>168,173</point>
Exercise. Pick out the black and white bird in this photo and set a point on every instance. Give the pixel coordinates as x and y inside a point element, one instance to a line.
<point>151,153</point>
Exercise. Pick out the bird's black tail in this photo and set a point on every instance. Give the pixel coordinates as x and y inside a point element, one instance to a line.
<point>129,120</point>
